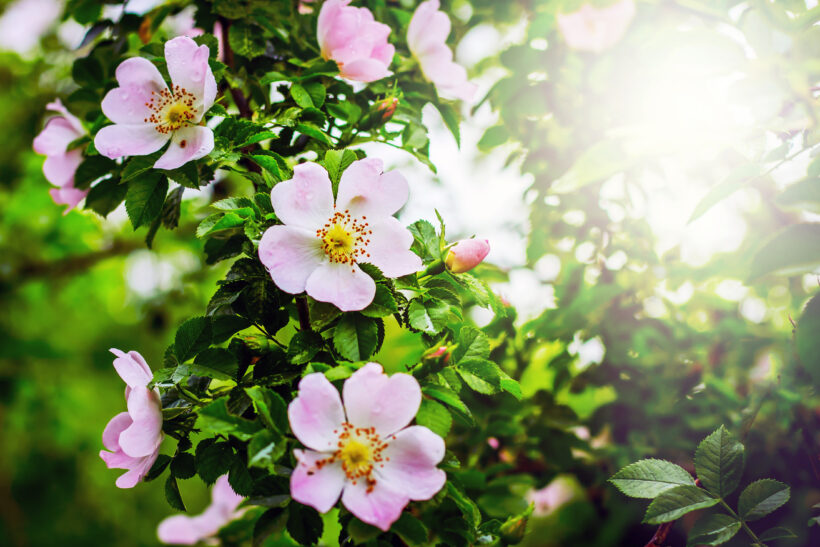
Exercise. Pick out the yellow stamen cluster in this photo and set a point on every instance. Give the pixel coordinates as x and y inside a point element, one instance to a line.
<point>359,450</point>
<point>170,110</point>
<point>345,238</point>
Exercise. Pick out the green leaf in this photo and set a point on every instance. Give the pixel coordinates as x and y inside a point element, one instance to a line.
<point>492,137</point>
<point>676,502</point>
<point>794,250</point>
<point>446,396</point>
<point>426,242</point>
<point>219,222</point>
<point>410,529</point>
<point>105,196</point>
<point>804,194</point>
<point>761,498</point>
<point>648,478</point>
<point>336,161</point>
<point>215,418</point>
<point>183,466</point>
<point>137,166</point>
<point>192,336</point>
<point>778,532</point>
<point>451,118</point>
<point>265,448</point>
<point>314,132</point>
<point>471,343</point>
<point>719,462</point>
<point>246,40</point>
<point>172,494</point>
<point>91,169</point>
<point>239,478</point>
<point>216,363</point>
<point>304,524</point>
<point>713,529</point>
<point>806,341</point>
<point>159,466</point>
<point>429,316</point>
<point>225,326</point>
<point>435,417</point>
<point>467,506</point>
<point>737,179</point>
<point>595,164</point>
<point>187,175</point>
<point>144,199</point>
<point>383,305</point>
<point>270,407</point>
<point>486,377</point>
<point>301,96</point>
<point>213,460</point>
<point>272,521</point>
<point>356,337</point>
<point>304,346</point>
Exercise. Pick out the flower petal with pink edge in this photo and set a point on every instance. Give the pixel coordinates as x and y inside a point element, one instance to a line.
<point>145,433</point>
<point>327,17</point>
<point>132,368</point>
<point>223,496</point>
<point>189,69</point>
<point>428,28</point>
<point>318,487</point>
<point>290,255</point>
<point>373,399</point>
<point>55,137</point>
<point>306,200</point>
<point>139,72</point>
<point>316,414</point>
<point>414,453</point>
<point>364,70</point>
<point>57,106</point>
<point>67,195</point>
<point>366,190</point>
<point>137,473</point>
<point>116,141</point>
<point>59,168</point>
<point>180,530</point>
<point>187,144</point>
<point>346,287</point>
<point>115,426</point>
<point>389,248</point>
<point>380,507</point>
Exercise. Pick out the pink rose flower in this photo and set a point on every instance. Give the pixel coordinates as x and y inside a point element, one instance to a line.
<point>466,255</point>
<point>61,163</point>
<point>147,114</point>
<point>185,530</point>
<point>321,243</point>
<point>355,41</point>
<point>596,29</point>
<point>555,494</point>
<point>133,437</point>
<point>25,22</point>
<point>427,37</point>
<point>363,451</point>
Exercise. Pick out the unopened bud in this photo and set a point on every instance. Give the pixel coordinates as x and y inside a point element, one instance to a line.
<point>466,255</point>
<point>514,529</point>
<point>387,107</point>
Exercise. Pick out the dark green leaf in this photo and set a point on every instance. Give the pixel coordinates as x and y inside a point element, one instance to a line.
<point>435,417</point>
<point>304,346</point>
<point>356,337</point>
<point>410,529</point>
<point>719,462</point>
<point>272,521</point>
<point>270,407</point>
<point>145,197</point>
<point>676,502</point>
<point>761,498</point>
<point>471,343</point>
<point>429,316</point>
<point>216,363</point>
<point>213,460</point>
<point>105,196</point>
<point>713,529</point>
<point>183,466</point>
<point>215,418</point>
<point>778,532</point>
<point>91,169</point>
<point>246,40</point>
<point>193,336</point>
<point>304,524</point>
<point>648,478</point>
<point>172,494</point>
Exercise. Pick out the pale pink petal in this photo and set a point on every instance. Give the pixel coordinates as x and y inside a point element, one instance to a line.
<point>67,195</point>
<point>145,433</point>
<point>346,287</point>
<point>180,530</point>
<point>306,200</point>
<point>189,69</point>
<point>57,106</point>
<point>111,433</point>
<point>596,29</point>
<point>316,414</point>
<point>119,460</point>
<point>414,453</point>
<point>138,472</point>
<point>139,72</point>
<point>364,70</point>
<point>384,53</point>
<point>59,168</point>
<point>223,496</point>
<point>116,141</point>
<point>55,137</point>
<point>373,399</point>
<point>132,368</point>
<point>327,16</point>
<point>187,144</point>
<point>380,507</point>
<point>389,248</point>
<point>365,190</point>
<point>467,254</point>
<point>290,254</point>
<point>318,487</point>
<point>428,27</point>
<point>138,80</point>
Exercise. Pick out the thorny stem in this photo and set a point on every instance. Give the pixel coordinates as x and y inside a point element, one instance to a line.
<point>755,539</point>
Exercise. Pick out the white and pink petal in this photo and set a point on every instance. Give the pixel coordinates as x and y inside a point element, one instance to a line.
<point>374,399</point>
<point>316,414</point>
<point>345,286</point>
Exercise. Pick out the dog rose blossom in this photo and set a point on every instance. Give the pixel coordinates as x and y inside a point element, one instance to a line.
<point>466,255</point>
<point>363,451</point>
<point>427,37</point>
<point>61,163</point>
<point>133,437</point>
<point>596,29</point>
<point>147,113</point>
<point>357,43</point>
<point>185,530</point>
<point>321,243</point>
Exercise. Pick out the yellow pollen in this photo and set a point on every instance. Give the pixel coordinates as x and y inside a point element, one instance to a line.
<point>359,451</point>
<point>355,457</point>
<point>170,110</point>
<point>345,238</point>
<point>338,239</point>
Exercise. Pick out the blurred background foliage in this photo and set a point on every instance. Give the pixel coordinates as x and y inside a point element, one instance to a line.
<point>672,187</point>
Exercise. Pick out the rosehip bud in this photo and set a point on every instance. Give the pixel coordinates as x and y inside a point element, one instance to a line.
<point>438,353</point>
<point>514,529</point>
<point>493,442</point>
<point>387,107</point>
<point>466,255</point>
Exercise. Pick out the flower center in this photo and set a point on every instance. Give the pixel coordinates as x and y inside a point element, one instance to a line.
<point>345,238</point>
<point>359,450</point>
<point>170,110</point>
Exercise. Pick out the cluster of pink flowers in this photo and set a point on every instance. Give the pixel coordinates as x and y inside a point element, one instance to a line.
<point>363,451</point>
<point>61,163</point>
<point>133,437</point>
<point>351,37</point>
<point>185,530</point>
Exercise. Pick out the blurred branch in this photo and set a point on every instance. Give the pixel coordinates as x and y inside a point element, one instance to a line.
<point>660,535</point>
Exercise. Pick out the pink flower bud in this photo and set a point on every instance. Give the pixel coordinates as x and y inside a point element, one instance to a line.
<point>466,255</point>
